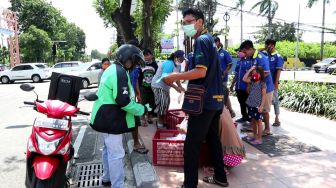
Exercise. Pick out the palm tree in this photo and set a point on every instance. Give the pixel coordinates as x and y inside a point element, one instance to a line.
<point>267,8</point>
<point>240,4</point>
<point>310,4</point>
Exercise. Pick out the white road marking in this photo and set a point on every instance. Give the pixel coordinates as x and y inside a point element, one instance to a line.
<point>79,139</point>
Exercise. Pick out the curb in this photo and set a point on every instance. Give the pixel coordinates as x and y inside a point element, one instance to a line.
<point>144,172</point>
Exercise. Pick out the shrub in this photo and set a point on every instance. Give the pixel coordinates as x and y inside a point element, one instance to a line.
<point>313,98</point>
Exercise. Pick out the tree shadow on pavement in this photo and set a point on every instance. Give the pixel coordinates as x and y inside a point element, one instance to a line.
<point>11,163</point>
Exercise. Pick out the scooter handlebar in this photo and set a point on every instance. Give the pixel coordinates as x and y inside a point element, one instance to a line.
<point>83,113</point>
<point>29,103</point>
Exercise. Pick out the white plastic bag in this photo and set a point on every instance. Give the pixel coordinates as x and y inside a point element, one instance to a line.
<point>184,125</point>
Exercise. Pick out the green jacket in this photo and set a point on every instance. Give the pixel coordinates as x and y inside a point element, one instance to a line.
<point>114,110</point>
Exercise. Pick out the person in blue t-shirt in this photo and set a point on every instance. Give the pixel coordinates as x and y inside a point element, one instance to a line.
<point>161,89</point>
<point>276,64</point>
<point>240,85</point>
<point>204,70</point>
<point>226,64</point>
<point>260,60</point>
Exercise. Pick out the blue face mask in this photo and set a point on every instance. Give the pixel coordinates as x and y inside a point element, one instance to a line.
<point>190,30</point>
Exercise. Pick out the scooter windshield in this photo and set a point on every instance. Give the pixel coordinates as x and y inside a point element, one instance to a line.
<point>51,123</point>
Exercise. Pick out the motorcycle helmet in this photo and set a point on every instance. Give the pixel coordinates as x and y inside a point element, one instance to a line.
<point>129,56</point>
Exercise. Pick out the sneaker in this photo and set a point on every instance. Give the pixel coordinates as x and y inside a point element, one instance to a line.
<point>106,184</point>
<point>240,120</point>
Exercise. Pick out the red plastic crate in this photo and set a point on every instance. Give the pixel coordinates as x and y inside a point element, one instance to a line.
<point>173,118</point>
<point>167,152</point>
<point>170,152</point>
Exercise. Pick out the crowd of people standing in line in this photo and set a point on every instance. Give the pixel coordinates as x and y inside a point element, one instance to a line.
<point>127,87</point>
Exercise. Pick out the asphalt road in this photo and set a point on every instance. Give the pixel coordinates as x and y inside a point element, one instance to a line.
<point>309,76</point>
<point>15,126</point>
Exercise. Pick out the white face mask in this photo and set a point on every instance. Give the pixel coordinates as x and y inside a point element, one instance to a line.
<point>190,30</point>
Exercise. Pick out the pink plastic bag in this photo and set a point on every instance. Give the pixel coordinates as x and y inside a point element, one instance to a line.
<point>232,160</point>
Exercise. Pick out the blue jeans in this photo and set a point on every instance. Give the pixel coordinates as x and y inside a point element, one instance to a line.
<point>113,154</point>
<point>276,102</point>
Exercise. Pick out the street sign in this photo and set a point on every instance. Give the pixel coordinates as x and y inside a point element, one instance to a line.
<point>167,45</point>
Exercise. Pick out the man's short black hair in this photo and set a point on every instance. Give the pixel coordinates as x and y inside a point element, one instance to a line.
<point>147,51</point>
<point>196,13</point>
<point>217,39</point>
<point>247,44</point>
<point>105,59</point>
<point>270,41</point>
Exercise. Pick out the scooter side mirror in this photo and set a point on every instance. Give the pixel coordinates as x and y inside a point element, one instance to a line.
<point>91,97</point>
<point>27,87</point>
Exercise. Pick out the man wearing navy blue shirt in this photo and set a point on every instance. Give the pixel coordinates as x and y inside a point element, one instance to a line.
<point>240,85</point>
<point>205,67</point>
<point>259,59</point>
<point>276,63</point>
<point>226,64</point>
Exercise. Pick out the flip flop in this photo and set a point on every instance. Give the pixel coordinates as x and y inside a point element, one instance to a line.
<point>267,134</point>
<point>276,124</point>
<point>246,130</point>
<point>141,150</point>
<point>212,180</point>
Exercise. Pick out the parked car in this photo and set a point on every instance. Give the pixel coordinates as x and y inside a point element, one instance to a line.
<point>324,64</point>
<point>89,73</point>
<point>27,71</point>
<point>332,69</point>
<point>63,67</point>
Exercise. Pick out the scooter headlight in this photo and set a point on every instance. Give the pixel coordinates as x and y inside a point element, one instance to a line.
<point>47,147</point>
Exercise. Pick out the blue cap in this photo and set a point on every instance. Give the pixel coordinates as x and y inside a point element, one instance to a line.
<point>179,53</point>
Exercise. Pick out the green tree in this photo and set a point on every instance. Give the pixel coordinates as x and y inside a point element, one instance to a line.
<point>280,32</point>
<point>310,4</point>
<point>208,7</point>
<point>39,13</point>
<point>95,54</point>
<point>45,17</point>
<point>145,23</point>
<point>267,8</point>
<point>35,44</point>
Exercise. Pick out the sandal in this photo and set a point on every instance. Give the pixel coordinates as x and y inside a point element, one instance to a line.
<point>276,124</point>
<point>141,150</point>
<point>250,139</point>
<point>212,180</point>
<point>256,142</point>
<point>246,130</point>
<point>267,134</point>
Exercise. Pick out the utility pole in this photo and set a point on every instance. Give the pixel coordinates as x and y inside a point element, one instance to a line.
<point>322,36</point>
<point>297,41</point>
<point>226,18</point>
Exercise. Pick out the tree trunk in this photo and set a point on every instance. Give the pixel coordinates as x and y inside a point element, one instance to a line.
<point>121,16</point>
<point>146,28</point>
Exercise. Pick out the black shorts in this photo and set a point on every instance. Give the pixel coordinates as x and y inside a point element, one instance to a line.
<point>147,97</point>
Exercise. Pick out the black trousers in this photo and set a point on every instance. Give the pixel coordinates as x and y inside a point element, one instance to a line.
<point>242,97</point>
<point>202,127</point>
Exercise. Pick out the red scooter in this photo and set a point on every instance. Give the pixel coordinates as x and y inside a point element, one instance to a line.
<point>49,148</point>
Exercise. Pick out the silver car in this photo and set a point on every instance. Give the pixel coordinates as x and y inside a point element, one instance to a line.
<point>89,73</point>
<point>324,64</point>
